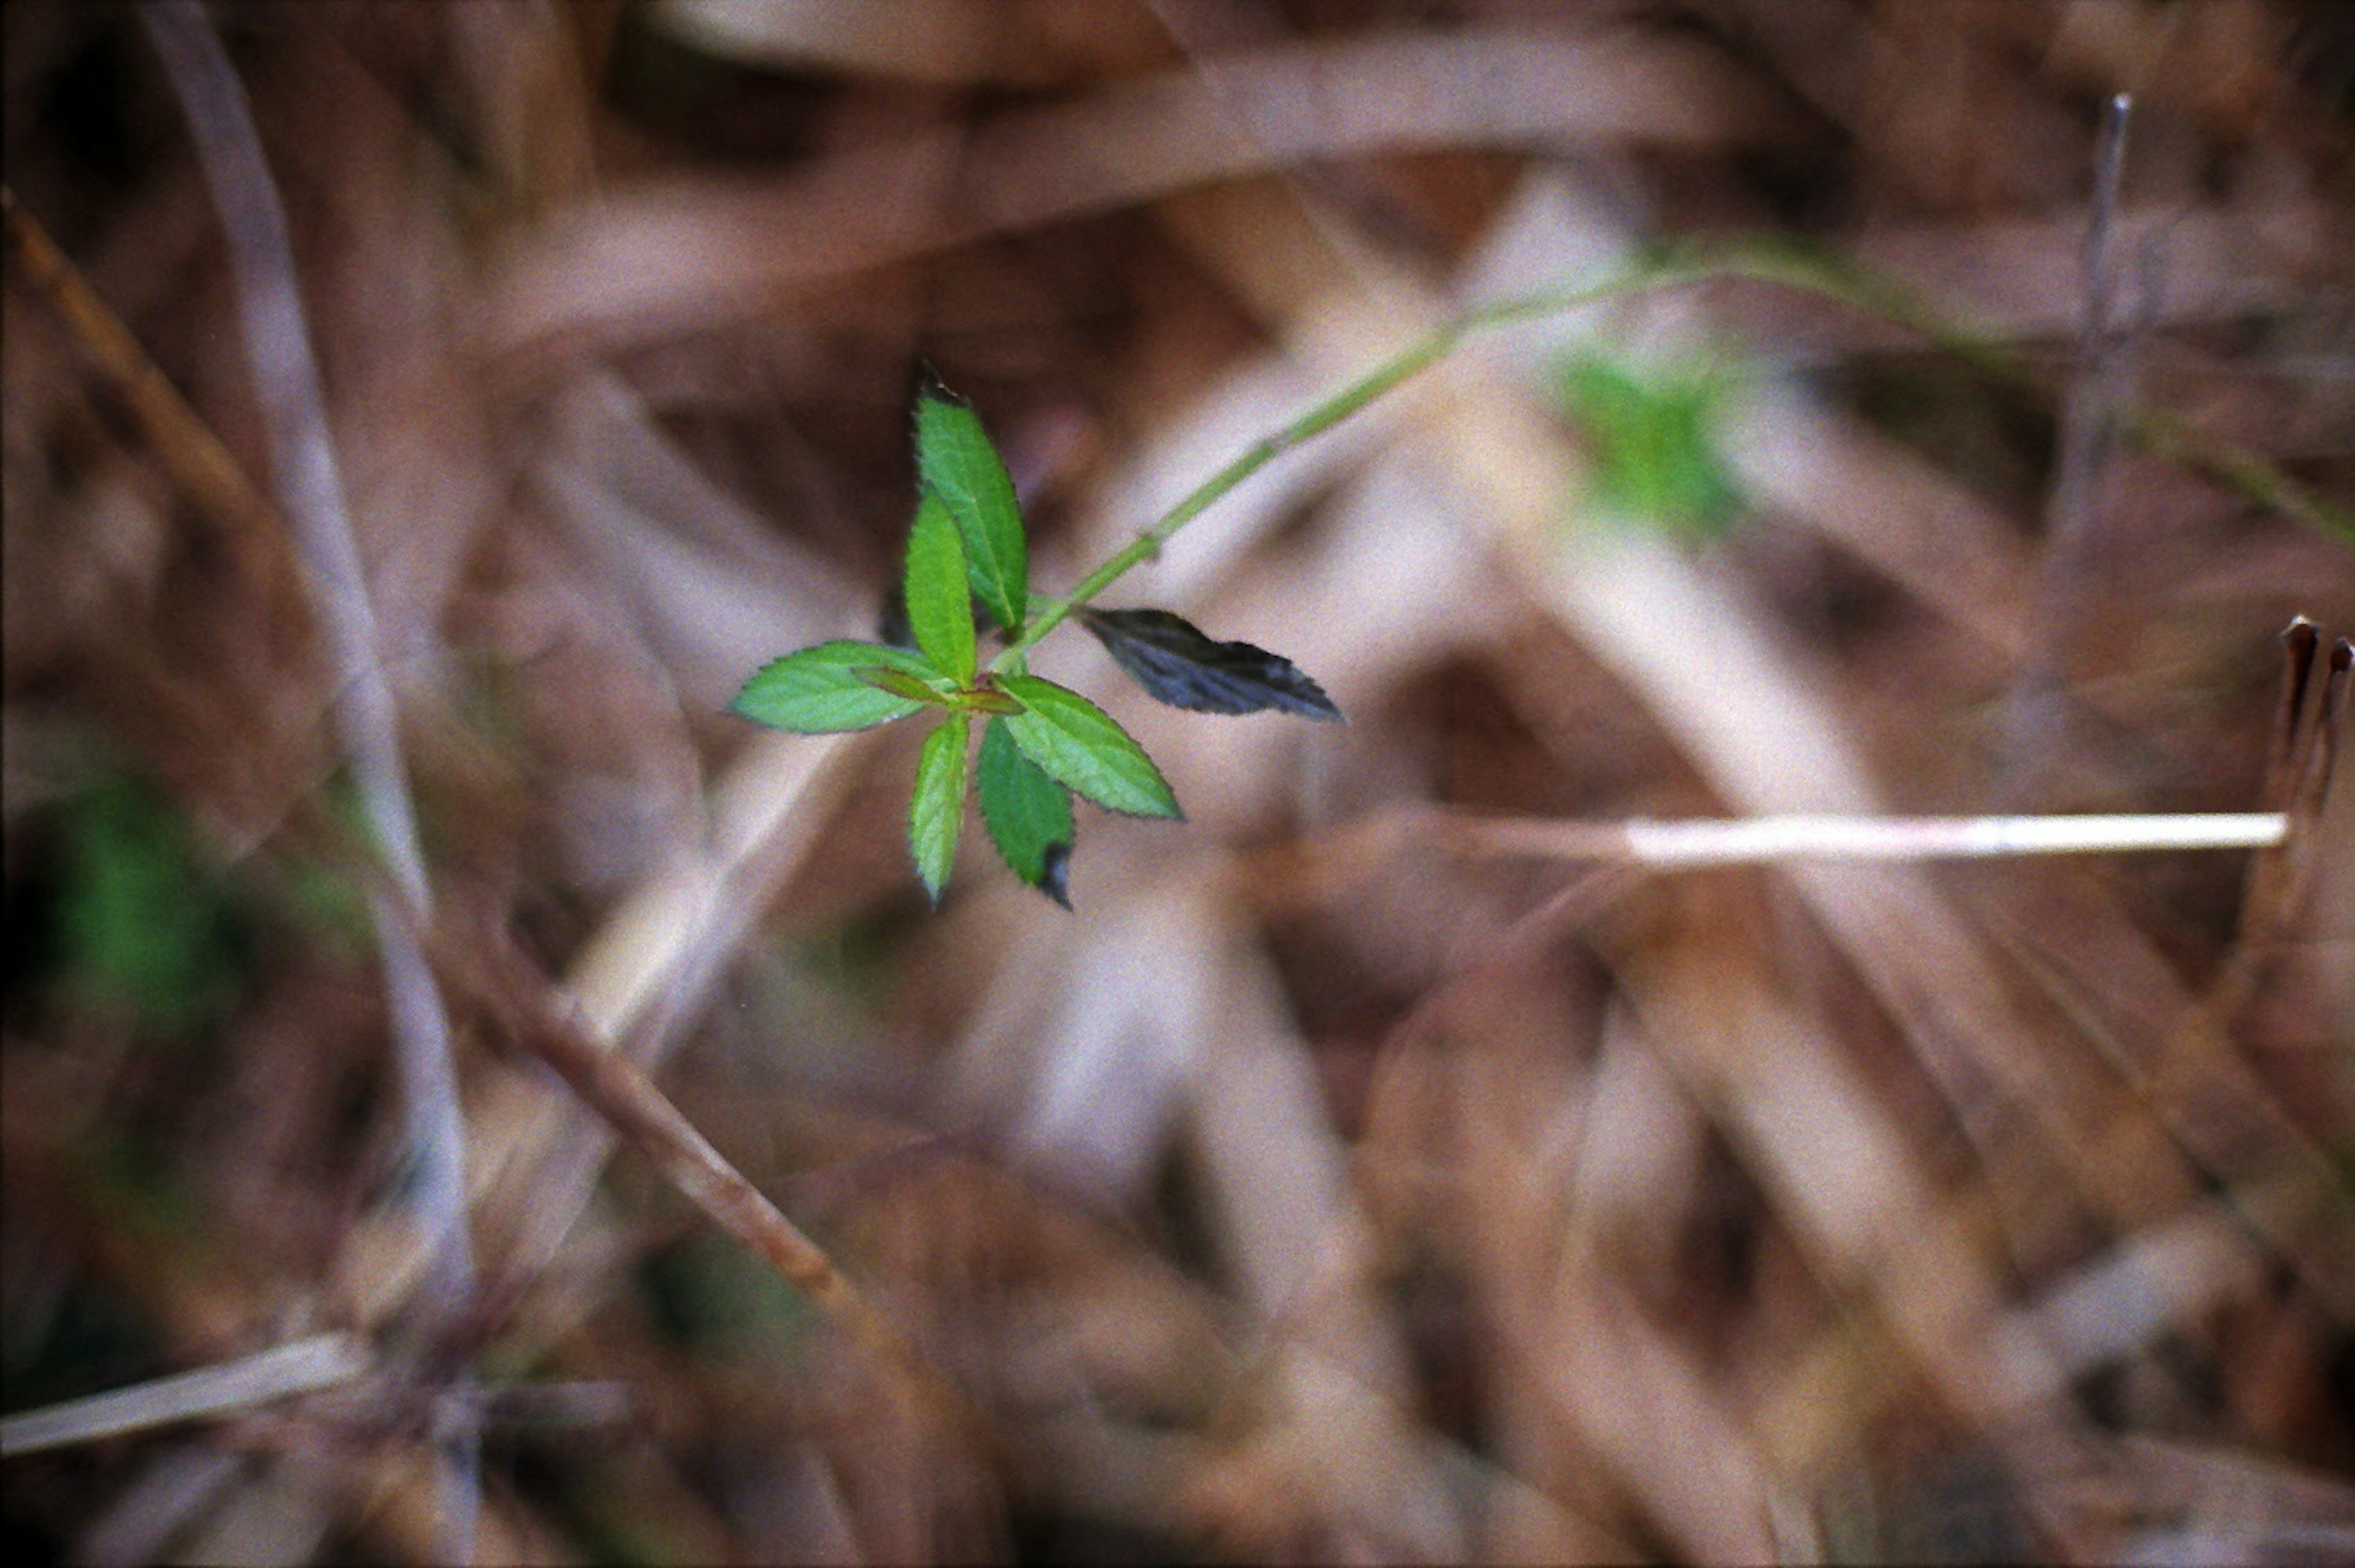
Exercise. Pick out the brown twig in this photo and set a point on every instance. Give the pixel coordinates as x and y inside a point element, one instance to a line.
<point>2301,760</point>
<point>489,970</point>
<point>191,455</point>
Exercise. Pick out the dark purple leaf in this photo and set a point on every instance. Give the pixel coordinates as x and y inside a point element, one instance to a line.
<point>1176,663</point>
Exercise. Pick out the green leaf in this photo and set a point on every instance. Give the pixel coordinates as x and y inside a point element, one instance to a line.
<point>1177,664</point>
<point>936,811</point>
<point>141,921</point>
<point>822,690</point>
<point>1077,744</point>
<point>1650,446</point>
<point>1027,814</point>
<point>940,607</point>
<point>957,464</point>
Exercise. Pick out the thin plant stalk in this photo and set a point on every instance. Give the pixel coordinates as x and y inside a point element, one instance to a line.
<point>1762,260</point>
<point>311,497</point>
<point>2098,388</point>
<point>1767,839</point>
<point>1383,379</point>
<point>283,1372</point>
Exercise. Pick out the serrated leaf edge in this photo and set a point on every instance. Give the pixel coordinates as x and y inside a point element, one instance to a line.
<point>935,589</point>
<point>1044,711</point>
<point>936,805</point>
<point>997,558</point>
<point>1047,881</point>
<point>849,656</point>
<point>1125,642</point>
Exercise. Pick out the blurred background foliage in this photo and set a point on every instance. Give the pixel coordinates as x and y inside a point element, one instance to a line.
<point>1319,1190</point>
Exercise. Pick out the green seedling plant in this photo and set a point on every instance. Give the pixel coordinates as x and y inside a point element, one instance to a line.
<point>1041,744</point>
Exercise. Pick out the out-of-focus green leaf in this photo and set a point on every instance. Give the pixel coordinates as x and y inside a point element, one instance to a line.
<point>141,921</point>
<point>1027,814</point>
<point>936,811</point>
<point>958,463</point>
<point>1650,450</point>
<point>1078,744</point>
<point>825,688</point>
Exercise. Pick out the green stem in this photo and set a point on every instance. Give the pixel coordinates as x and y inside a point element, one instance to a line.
<point>1766,261</point>
<point>1384,378</point>
<point>2223,464</point>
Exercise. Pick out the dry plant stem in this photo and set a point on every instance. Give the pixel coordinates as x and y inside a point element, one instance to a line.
<point>2299,777</point>
<point>312,500</point>
<point>2301,639</point>
<point>1673,844</point>
<point>2309,1193</point>
<point>647,970</point>
<point>2088,419</point>
<point>191,454</point>
<point>2278,1185</point>
<point>498,976</point>
<point>2287,750</point>
<point>304,1366</point>
<point>2314,761</point>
